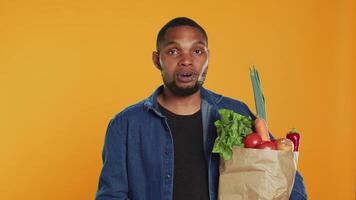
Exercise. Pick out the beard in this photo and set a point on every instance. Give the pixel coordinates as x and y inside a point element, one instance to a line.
<point>184,91</point>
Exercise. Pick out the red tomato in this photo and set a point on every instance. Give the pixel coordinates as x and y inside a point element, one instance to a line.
<point>252,140</point>
<point>274,141</point>
<point>266,145</point>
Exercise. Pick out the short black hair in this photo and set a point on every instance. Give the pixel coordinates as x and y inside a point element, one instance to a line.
<point>178,21</point>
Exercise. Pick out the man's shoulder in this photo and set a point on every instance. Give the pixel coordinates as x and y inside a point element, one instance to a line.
<point>231,104</point>
<point>131,111</point>
<point>225,100</point>
<point>222,100</point>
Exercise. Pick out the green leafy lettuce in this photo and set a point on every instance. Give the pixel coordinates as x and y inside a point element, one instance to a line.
<point>231,128</point>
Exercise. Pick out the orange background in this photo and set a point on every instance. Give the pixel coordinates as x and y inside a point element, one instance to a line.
<point>67,67</point>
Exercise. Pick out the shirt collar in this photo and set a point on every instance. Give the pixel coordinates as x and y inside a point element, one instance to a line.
<point>206,95</point>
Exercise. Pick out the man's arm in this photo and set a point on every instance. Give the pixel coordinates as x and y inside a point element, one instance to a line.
<point>113,184</point>
<point>298,191</point>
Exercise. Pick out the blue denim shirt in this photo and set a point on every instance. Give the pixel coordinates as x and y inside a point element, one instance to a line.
<point>138,151</point>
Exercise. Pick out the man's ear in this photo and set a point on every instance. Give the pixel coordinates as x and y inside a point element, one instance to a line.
<point>155,59</point>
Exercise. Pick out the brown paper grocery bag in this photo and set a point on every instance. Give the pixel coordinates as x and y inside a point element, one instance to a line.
<point>257,174</point>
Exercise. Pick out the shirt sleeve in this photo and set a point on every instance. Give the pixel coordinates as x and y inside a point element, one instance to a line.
<point>113,184</point>
<point>298,191</point>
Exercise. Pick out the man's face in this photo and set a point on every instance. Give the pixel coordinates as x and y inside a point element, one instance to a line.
<point>183,60</point>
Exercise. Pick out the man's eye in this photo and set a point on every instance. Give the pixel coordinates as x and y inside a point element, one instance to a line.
<point>172,52</point>
<point>198,51</point>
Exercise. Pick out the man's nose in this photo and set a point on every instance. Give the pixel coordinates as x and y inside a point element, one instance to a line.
<point>186,60</point>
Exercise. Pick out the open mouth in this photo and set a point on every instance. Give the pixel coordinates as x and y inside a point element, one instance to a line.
<point>185,76</point>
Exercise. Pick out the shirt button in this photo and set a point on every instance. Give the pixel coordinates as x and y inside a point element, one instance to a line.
<point>168,176</point>
<point>166,152</point>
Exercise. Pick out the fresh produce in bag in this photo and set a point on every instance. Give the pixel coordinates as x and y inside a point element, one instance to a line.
<point>252,166</point>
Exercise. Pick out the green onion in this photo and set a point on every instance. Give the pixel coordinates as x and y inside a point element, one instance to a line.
<point>257,91</point>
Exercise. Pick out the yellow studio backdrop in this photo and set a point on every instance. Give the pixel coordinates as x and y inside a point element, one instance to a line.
<point>67,67</point>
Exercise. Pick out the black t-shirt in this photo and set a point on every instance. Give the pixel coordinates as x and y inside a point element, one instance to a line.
<point>190,180</point>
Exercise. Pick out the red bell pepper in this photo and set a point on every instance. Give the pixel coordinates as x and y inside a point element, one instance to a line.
<point>295,137</point>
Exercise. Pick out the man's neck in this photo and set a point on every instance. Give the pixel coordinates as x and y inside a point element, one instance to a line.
<point>180,105</point>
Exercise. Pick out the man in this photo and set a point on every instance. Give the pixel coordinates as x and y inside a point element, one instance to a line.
<point>160,148</point>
